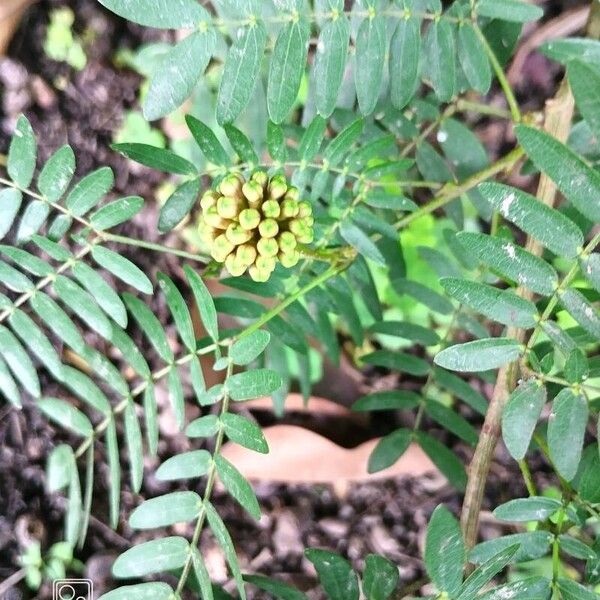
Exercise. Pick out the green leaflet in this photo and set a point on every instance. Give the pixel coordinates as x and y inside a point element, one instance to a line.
<point>578,182</point>
<point>160,159</point>
<point>244,432</point>
<point>380,577</point>
<point>204,302</point>
<point>444,459</point>
<point>535,508</point>
<point>179,310</point>
<point>66,415</point>
<point>22,153</point>
<point>452,421</point>
<point>582,311</point>
<point>330,63</point>
<point>83,305</point>
<point>37,342</point>
<point>473,59</point>
<point>178,73</point>
<point>10,203</point>
<point>509,10</point>
<point>253,384</point>
<point>151,418</point>
<point>207,141</point>
<point>387,400</point>
<point>19,362</point>
<point>388,450</point>
<point>335,573</point>
<point>511,261</point>
<point>533,544</point>
<point>122,268</point>
<point>550,227</point>
<point>33,218</point>
<point>312,138</point>
<point>480,355</point>
<point>584,80</point>
<point>14,280</point>
<point>237,486</point>
<point>187,465</point>
<point>249,348</point>
<point>150,325</point>
<point>241,71</point>
<point>57,173</point>
<point>278,589</point>
<point>176,507</point>
<point>531,588</point>
<point>371,45</point>
<point>133,439</point>
<point>405,50</point>
<point>156,556</point>
<point>222,535</point>
<point>444,551</point>
<point>359,240</point>
<point>117,212</point>
<point>108,300</point>
<point>287,67</point>
<point>566,50</point>
<point>114,466</point>
<point>203,427</point>
<point>163,14</point>
<point>484,573</point>
<point>8,387</point>
<point>503,306</point>
<point>142,591</point>
<point>566,430</point>
<point>86,194</point>
<point>241,144</point>
<point>521,415</point>
<point>408,331</point>
<point>440,63</point>
<point>179,205</point>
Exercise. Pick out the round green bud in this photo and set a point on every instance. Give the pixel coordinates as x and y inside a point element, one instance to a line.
<point>267,247</point>
<point>230,185</point>
<point>229,207</point>
<point>297,227</point>
<point>246,254</point>
<point>271,209</point>
<point>253,192</point>
<point>234,266</point>
<point>277,187</point>
<point>249,219</point>
<point>287,241</point>
<point>307,237</point>
<point>208,199</point>
<point>289,209</point>
<point>257,275</point>
<point>289,259</point>
<point>221,248</point>
<point>237,235</point>
<point>268,228</point>
<point>305,209</point>
<point>293,193</point>
<point>214,219</point>
<point>260,177</point>
<point>266,263</point>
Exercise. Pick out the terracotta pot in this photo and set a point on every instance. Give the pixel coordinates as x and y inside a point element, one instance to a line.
<point>11,12</point>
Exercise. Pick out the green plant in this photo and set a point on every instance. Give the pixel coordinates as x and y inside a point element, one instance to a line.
<point>419,244</point>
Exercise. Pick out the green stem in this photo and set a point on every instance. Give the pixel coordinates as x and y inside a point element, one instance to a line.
<point>451,191</point>
<point>317,281</point>
<point>121,239</point>
<point>526,472</point>
<point>502,79</point>
<point>210,483</point>
<point>464,105</point>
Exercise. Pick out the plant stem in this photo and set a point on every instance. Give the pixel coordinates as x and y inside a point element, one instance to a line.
<point>558,113</point>
<point>11,581</point>
<point>451,191</point>
<point>515,111</point>
<point>121,239</point>
<point>210,483</point>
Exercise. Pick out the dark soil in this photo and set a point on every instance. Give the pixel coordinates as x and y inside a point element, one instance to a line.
<point>388,517</point>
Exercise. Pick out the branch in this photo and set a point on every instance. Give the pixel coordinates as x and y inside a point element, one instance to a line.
<point>558,116</point>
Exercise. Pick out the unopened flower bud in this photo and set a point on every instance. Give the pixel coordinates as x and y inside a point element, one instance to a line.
<point>271,209</point>
<point>221,248</point>
<point>237,235</point>
<point>249,219</point>
<point>289,209</point>
<point>267,247</point>
<point>268,228</point>
<point>234,266</point>
<point>214,219</point>
<point>289,259</point>
<point>231,185</point>
<point>229,207</point>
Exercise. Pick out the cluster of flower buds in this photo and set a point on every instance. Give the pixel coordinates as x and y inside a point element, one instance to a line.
<point>251,225</point>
